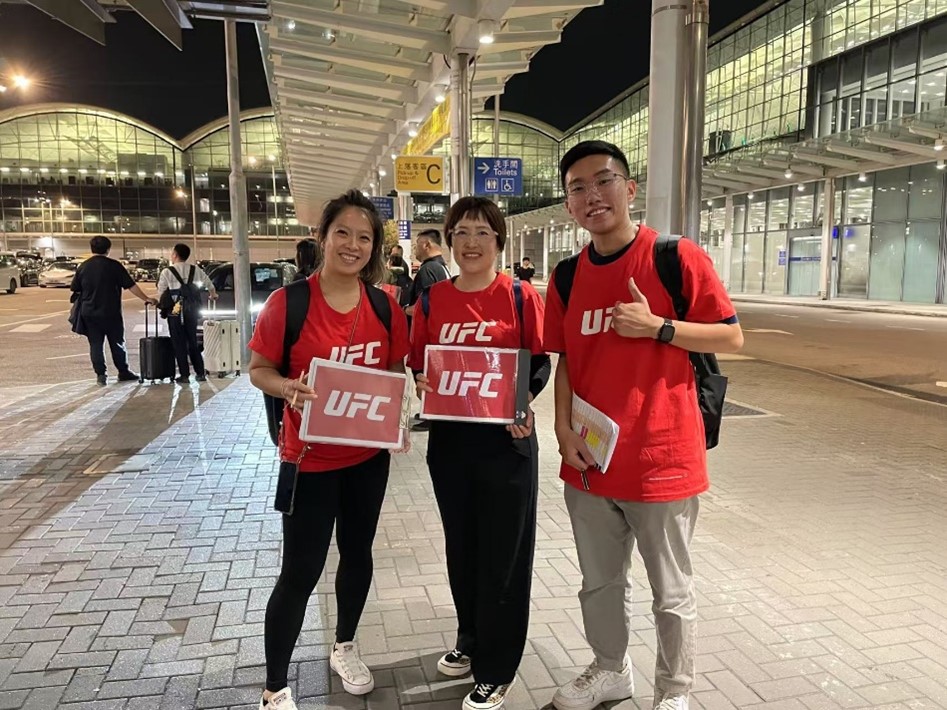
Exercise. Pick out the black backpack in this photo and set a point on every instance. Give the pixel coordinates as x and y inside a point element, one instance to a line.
<point>187,293</point>
<point>297,306</point>
<point>711,384</point>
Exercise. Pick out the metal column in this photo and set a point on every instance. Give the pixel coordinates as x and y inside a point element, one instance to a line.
<point>238,197</point>
<point>194,208</point>
<point>675,145</point>
<point>695,90</point>
<point>460,126</point>
<point>546,231</point>
<point>275,208</point>
<point>726,267</point>
<point>828,227</point>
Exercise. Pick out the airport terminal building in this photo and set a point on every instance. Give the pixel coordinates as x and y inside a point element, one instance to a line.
<point>816,110</point>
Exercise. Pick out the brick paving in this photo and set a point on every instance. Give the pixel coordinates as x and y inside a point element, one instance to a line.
<point>819,554</point>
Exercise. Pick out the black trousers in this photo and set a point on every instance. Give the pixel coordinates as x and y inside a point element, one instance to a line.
<point>350,500</point>
<point>486,486</point>
<point>98,330</point>
<point>183,331</point>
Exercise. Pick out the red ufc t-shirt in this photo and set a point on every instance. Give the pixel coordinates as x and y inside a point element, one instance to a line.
<point>646,387</point>
<point>326,334</point>
<point>493,310</point>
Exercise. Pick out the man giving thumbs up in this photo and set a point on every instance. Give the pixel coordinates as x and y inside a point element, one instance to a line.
<point>623,352</point>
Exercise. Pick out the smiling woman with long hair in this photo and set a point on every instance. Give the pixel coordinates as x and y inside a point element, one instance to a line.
<point>339,487</point>
<point>484,475</point>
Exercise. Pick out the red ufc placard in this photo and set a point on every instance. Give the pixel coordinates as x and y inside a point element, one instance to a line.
<point>356,406</point>
<point>475,384</point>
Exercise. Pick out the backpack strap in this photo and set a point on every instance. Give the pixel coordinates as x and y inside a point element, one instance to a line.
<point>563,277</point>
<point>297,306</point>
<point>426,302</point>
<point>190,275</point>
<point>177,275</point>
<point>668,265</point>
<point>518,300</point>
<point>380,304</point>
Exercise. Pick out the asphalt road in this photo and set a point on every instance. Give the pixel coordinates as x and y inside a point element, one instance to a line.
<point>903,353</point>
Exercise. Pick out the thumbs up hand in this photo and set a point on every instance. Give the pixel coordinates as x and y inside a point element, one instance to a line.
<point>635,319</point>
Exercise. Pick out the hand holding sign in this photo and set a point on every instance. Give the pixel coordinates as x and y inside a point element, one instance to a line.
<point>635,319</point>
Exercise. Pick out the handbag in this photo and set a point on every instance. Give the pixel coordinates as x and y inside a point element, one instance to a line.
<point>75,314</point>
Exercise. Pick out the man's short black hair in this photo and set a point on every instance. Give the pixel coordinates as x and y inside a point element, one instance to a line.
<point>584,150</point>
<point>183,251</point>
<point>526,258</point>
<point>434,235</point>
<point>100,245</point>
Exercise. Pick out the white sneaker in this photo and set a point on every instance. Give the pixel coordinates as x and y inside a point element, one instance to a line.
<point>356,678</point>
<point>486,696</point>
<point>594,686</point>
<point>283,700</point>
<point>454,664</point>
<point>672,702</point>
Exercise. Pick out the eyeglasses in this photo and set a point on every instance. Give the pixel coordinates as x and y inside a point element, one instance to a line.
<point>599,185</point>
<point>481,235</point>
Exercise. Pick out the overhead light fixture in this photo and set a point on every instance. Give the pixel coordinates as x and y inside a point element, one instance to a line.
<point>862,177</point>
<point>710,203</point>
<point>20,81</point>
<point>382,172</point>
<point>440,95</point>
<point>939,144</point>
<point>788,174</point>
<point>941,164</point>
<point>413,130</point>
<point>394,156</point>
<point>3,89</point>
<point>749,195</point>
<point>486,28</point>
<point>291,25</point>
<point>63,171</point>
<point>801,187</point>
<point>328,34</point>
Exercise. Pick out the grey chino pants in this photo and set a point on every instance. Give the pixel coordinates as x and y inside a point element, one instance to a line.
<point>606,531</point>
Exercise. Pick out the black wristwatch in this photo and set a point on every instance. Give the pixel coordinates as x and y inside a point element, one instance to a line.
<point>666,332</point>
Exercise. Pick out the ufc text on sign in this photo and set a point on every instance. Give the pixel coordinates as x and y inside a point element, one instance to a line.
<point>355,406</point>
<point>486,385</point>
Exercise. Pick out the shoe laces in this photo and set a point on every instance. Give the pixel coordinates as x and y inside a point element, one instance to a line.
<point>588,676</point>
<point>348,657</point>
<point>671,702</point>
<point>485,690</point>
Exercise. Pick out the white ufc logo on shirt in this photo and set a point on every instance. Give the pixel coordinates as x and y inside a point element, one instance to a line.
<point>351,355</point>
<point>349,404</point>
<point>457,333</point>
<point>460,383</point>
<point>597,321</point>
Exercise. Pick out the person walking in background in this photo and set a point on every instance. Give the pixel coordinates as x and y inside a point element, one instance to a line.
<point>338,487</point>
<point>308,258</point>
<point>430,252</point>
<point>398,276</point>
<point>179,297</point>
<point>98,286</point>
<point>484,475</point>
<point>526,270</point>
<point>649,493</point>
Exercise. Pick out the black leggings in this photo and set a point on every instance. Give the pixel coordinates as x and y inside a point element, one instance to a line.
<point>349,499</point>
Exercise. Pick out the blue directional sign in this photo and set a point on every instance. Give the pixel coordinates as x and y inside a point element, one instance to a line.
<point>404,229</point>
<point>498,176</point>
<point>385,207</point>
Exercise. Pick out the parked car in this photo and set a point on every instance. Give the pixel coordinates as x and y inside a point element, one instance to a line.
<point>209,265</point>
<point>9,272</point>
<point>149,269</point>
<point>59,274</point>
<point>30,268</point>
<point>265,277</point>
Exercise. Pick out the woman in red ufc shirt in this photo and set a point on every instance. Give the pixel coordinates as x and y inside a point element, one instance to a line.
<point>337,486</point>
<point>484,475</point>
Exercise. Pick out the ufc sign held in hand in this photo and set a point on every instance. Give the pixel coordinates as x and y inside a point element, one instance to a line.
<point>488,385</point>
<point>354,406</point>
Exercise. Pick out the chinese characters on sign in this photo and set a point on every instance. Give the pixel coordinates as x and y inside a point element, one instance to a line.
<point>419,173</point>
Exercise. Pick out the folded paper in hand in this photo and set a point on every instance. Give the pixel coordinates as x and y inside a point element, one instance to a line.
<point>599,432</point>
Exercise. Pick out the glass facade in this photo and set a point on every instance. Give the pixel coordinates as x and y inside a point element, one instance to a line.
<point>78,170</point>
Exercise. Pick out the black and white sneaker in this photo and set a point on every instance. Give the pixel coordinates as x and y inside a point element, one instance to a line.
<point>486,696</point>
<point>454,663</point>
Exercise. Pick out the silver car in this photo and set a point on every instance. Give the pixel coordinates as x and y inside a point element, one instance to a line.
<point>59,274</point>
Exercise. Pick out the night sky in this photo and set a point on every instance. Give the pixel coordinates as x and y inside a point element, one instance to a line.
<point>603,51</point>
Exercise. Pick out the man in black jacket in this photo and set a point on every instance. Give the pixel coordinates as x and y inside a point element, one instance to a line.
<point>98,284</point>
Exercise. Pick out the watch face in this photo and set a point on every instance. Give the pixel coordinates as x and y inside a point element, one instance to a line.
<point>667,332</point>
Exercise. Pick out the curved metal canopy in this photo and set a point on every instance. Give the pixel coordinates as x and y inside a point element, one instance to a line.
<point>350,78</point>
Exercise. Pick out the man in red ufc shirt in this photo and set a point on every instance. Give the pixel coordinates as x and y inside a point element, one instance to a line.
<point>612,357</point>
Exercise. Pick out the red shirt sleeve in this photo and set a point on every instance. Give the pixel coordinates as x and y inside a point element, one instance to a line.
<point>553,334</point>
<point>419,337</point>
<point>267,337</point>
<point>534,311</point>
<point>400,345</point>
<point>707,298</point>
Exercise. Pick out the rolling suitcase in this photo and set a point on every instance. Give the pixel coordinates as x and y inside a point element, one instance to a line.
<point>155,354</point>
<point>221,346</point>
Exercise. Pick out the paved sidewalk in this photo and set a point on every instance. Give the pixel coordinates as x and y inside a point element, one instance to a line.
<point>820,558</point>
<point>847,304</point>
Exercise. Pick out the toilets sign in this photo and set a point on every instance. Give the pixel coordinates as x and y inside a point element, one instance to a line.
<point>498,176</point>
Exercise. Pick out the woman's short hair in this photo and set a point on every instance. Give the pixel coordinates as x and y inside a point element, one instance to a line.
<point>308,256</point>
<point>395,261</point>
<point>476,208</point>
<point>374,270</point>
